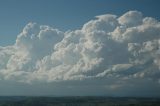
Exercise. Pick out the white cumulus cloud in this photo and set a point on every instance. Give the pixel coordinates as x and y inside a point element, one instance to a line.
<point>110,48</point>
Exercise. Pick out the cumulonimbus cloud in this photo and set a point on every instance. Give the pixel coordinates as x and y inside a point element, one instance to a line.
<point>108,47</point>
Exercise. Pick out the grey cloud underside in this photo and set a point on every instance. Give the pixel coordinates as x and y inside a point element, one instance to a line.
<point>112,49</point>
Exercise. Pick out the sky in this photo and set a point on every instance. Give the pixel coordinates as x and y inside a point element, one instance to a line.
<point>63,15</point>
<point>80,48</point>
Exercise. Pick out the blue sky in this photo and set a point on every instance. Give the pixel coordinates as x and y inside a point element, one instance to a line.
<point>112,47</point>
<point>62,14</point>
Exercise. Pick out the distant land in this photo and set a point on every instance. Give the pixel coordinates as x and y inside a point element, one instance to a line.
<point>78,101</point>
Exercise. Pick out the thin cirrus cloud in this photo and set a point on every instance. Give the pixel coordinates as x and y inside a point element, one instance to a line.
<point>108,50</point>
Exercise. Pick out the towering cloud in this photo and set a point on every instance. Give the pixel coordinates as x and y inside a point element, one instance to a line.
<point>108,50</point>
